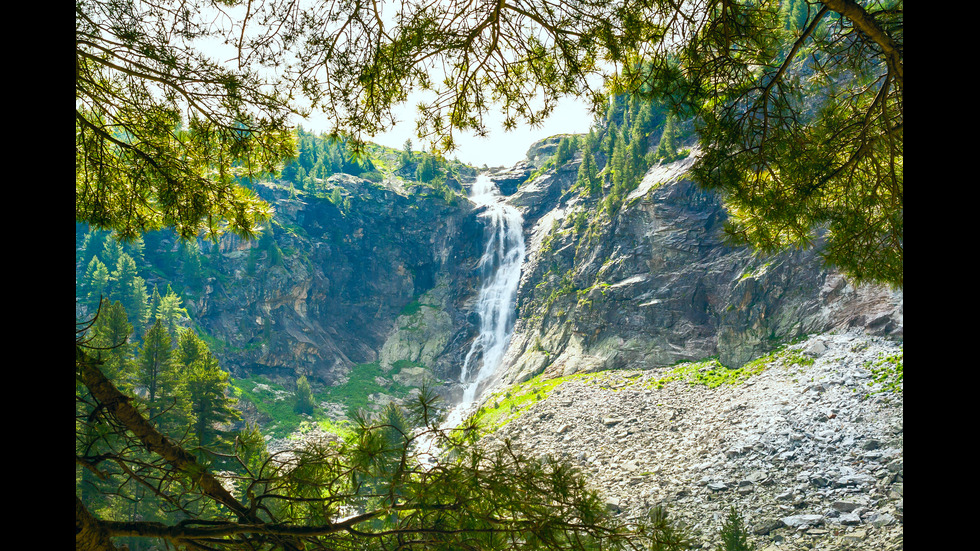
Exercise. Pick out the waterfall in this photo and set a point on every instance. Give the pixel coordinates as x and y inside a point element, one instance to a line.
<point>500,268</point>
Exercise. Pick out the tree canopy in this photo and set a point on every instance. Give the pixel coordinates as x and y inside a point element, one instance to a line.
<point>798,103</point>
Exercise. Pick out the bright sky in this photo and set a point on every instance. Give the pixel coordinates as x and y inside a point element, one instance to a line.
<point>499,147</point>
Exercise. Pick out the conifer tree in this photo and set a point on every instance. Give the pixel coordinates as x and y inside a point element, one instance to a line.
<point>190,348</point>
<point>588,178</point>
<point>155,369</point>
<point>304,396</point>
<point>734,536</point>
<point>427,169</point>
<point>169,310</point>
<point>112,250</point>
<point>130,289</point>
<point>210,407</point>
<point>667,148</point>
<point>110,336</point>
<point>95,285</point>
<point>407,156</point>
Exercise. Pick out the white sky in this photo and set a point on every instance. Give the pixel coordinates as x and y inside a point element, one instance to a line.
<point>499,147</point>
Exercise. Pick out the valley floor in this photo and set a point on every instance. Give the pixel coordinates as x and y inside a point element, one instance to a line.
<point>808,447</point>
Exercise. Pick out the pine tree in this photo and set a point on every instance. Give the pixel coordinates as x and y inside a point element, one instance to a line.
<point>206,386</point>
<point>427,169</point>
<point>588,178</point>
<point>110,336</point>
<point>111,251</point>
<point>129,288</point>
<point>734,536</point>
<point>407,157</point>
<point>95,284</point>
<point>169,310</point>
<point>566,150</point>
<point>304,396</point>
<point>667,149</point>
<point>190,348</point>
<point>155,373</point>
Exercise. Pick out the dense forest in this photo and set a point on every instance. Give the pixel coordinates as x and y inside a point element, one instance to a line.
<point>794,109</point>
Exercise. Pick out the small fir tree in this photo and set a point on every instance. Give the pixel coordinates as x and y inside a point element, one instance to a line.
<point>304,396</point>
<point>734,536</point>
<point>210,407</point>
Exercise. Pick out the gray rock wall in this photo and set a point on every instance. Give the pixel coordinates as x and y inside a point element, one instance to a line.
<point>656,283</point>
<point>341,280</point>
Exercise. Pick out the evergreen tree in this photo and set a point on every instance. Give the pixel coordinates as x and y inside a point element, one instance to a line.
<point>407,156</point>
<point>734,536</point>
<point>300,177</point>
<point>191,260</point>
<point>169,310</point>
<point>210,407</point>
<point>130,289</point>
<point>111,251</point>
<point>110,336</point>
<point>304,396</point>
<point>427,169</point>
<point>190,348</point>
<point>618,164</point>
<point>136,249</point>
<point>566,150</point>
<point>155,370</point>
<point>667,148</point>
<point>307,154</point>
<point>95,284</point>
<point>588,178</point>
<point>92,246</point>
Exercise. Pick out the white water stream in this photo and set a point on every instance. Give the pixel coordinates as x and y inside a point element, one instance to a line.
<point>500,268</point>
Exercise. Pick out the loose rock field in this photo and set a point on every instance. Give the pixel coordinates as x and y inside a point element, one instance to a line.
<point>809,447</point>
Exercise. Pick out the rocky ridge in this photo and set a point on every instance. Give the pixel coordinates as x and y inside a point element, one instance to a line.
<point>806,450</point>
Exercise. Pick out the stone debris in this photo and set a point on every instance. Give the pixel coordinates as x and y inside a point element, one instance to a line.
<point>809,454</point>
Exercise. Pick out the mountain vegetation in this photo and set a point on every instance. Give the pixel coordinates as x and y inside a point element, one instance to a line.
<point>796,106</point>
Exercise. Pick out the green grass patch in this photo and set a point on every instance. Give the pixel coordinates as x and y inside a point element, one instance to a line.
<point>505,405</point>
<point>363,381</point>
<point>273,401</point>
<point>888,373</point>
<point>711,373</point>
<point>411,308</point>
<point>276,402</point>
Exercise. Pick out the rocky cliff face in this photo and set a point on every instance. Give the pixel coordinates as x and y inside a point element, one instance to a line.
<point>324,292</point>
<point>654,283</point>
<point>390,278</point>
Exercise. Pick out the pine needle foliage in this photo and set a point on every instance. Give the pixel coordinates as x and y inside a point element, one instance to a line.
<point>378,489</point>
<point>734,535</point>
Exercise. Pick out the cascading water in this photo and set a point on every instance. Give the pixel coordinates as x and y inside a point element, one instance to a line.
<point>500,268</point>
